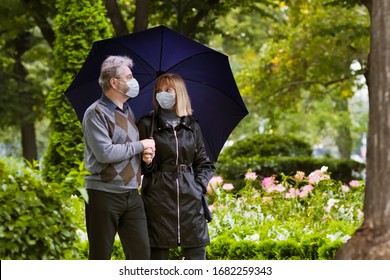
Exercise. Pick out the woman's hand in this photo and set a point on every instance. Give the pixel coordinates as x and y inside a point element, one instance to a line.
<point>148,155</point>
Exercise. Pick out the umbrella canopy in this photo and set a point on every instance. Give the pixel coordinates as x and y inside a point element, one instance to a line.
<point>215,98</point>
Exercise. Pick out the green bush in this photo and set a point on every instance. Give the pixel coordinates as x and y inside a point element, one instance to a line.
<point>175,253</point>
<point>268,249</point>
<point>117,251</point>
<point>310,246</point>
<point>83,250</point>
<point>266,145</point>
<point>226,248</point>
<point>288,250</point>
<point>219,248</point>
<point>328,250</point>
<point>244,250</point>
<point>37,222</point>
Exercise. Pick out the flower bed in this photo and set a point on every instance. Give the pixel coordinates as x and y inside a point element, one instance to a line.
<point>293,209</point>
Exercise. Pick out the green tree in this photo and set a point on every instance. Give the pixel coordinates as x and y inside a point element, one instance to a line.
<point>77,25</point>
<point>24,72</point>
<point>303,81</point>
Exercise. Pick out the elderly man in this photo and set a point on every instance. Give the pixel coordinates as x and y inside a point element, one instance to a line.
<point>113,158</point>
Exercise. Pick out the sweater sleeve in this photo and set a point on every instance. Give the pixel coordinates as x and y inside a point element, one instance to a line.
<point>97,137</point>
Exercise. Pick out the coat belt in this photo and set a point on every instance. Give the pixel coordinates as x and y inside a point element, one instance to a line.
<point>179,169</point>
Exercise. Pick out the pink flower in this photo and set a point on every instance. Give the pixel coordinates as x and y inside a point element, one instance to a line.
<point>354,183</point>
<point>318,175</point>
<point>292,192</point>
<point>251,176</point>
<point>303,193</point>
<point>279,188</point>
<point>299,176</point>
<point>274,188</point>
<point>215,181</point>
<point>228,187</point>
<point>308,188</point>
<point>314,177</point>
<point>267,200</point>
<point>344,188</point>
<point>255,195</point>
<point>268,181</point>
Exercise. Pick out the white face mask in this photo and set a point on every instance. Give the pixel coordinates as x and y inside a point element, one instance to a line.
<point>166,99</point>
<point>133,88</point>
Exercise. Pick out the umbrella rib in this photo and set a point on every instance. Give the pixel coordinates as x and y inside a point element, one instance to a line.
<point>161,51</point>
<point>193,56</point>
<point>241,104</point>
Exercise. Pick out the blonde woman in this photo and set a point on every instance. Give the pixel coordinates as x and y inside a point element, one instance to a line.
<point>176,174</point>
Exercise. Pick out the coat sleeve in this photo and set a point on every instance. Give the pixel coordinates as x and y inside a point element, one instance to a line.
<point>203,167</point>
<point>143,127</point>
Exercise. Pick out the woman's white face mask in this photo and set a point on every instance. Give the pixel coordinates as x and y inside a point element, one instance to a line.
<point>166,99</point>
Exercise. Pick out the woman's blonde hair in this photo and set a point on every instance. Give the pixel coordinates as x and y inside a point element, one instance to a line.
<point>183,102</point>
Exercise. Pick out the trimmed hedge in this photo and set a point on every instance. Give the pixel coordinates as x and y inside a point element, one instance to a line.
<point>268,249</point>
<point>226,248</point>
<point>267,145</point>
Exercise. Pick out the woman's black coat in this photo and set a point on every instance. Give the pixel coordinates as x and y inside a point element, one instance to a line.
<point>173,185</point>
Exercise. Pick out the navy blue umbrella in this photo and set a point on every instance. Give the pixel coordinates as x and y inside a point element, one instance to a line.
<point>215,98</point>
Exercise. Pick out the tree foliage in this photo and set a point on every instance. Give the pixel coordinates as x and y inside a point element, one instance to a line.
<point>304,73</point>
<point>25,73</point>
<point>77,25</point>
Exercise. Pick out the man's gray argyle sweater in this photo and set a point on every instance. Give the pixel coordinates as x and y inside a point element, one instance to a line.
<point>112,147</point>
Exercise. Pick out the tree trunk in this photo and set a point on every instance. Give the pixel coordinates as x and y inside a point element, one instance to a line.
<point>29,141</point>
<point>141,15</point>
<point>25,102</point>
<point>190,29</point>
<point>344,138</point>
<point>116,18</point>
<point>372,239</point>
<point>40,14</point>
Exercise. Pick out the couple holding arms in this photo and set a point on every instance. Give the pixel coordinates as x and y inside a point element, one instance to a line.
<point>166,147</point>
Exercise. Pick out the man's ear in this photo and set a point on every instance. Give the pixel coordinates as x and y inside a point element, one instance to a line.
<point>114,83</point>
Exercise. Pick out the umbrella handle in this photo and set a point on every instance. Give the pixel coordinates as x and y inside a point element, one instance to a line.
<point>152,126</point>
